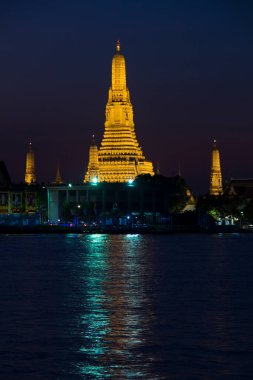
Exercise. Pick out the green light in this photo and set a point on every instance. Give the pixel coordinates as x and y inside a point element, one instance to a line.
<point>94,181</point>
<point>132,236</point>
<point>130,182</point>
<point>94,323</point>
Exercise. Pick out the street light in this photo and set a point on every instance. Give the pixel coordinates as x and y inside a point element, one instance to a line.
<point>241,220</point>
<point>94,181</point>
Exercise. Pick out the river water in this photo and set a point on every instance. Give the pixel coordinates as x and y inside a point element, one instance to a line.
<point>126,307</point>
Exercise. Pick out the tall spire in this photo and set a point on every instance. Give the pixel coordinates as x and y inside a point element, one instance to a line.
<point>120,157</point>
<point>119,87</point>
<point>118,46</point>
<point>92,173</point>
<point>30,176</point>
<point>58,178</point>
<point>157,167</point>
<point>215,177</point>
<point>179,169</point>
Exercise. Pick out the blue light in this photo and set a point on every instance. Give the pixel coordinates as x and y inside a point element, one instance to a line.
<point>130,182</point>
<point>94,181</point>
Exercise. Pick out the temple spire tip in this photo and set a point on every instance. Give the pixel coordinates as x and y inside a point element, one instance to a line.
<point>118,46</point>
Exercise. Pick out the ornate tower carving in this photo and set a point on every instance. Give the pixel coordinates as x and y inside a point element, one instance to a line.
<point>30,176</point>
<point>92,174</point>
<point>120,158</point>
<point>215,178</point>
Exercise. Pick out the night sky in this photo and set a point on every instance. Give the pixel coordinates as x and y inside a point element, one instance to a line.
<point>189,72</point>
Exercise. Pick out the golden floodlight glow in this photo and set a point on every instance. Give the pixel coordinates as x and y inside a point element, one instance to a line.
<point>119,158</point>
<point>30,176</point>
<point>215,177</point>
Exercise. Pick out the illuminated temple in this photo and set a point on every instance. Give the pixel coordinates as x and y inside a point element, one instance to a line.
<point>30,176</point>
<point>120,157</point>
<point>215,177</point>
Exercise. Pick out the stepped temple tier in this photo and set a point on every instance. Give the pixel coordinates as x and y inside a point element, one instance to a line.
<point>215,177</point>
<point>120,157</point>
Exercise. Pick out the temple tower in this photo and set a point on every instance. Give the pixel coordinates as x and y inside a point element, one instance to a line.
<point>215,177</point>
<point>58,178</point>
<point>92,174</point>
<point>30,176</point>
<point>120,158</point>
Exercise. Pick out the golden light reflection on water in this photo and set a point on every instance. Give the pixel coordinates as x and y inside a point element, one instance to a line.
<point>114,322</point>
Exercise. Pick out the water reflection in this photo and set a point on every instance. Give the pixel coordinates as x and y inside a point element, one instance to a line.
<point>114,327</point>
<point>120,307</point>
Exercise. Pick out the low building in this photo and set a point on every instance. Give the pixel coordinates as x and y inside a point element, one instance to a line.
<point>148,197</point>
<point>19,203</point>
<point>240,188</point>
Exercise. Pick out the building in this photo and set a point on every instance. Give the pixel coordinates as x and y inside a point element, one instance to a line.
<point>120,157</point>
<point>242,188</point>
<point>149,198</point>
<point>215,177</point>
<point>119,181</point>
<point>20,204</point>
<point>30,176</point>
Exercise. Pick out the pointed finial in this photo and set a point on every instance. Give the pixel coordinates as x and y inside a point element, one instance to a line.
<point>214,143</point>
<point>58,178</point>
<point>93,140</point>
<point>118,46</point>
<point>157,168</point>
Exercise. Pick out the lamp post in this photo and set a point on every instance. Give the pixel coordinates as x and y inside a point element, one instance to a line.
<point>77,215</point>
<point>241,219</point>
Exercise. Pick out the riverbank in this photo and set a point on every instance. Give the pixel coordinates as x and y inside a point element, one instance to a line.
<point>153,229</point>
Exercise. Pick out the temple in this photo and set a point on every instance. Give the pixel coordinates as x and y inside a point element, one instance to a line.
<point>92,174</point>
<point>58,178</point>
<point>120,157</point>
<point>30,176</point>
<point>215,177</point>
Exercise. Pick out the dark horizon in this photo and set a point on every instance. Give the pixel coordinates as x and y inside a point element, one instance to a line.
<point>189,72</point>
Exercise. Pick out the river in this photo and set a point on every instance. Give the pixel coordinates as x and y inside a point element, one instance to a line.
<point>126,307</point>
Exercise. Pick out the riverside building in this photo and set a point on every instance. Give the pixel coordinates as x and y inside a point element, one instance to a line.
<point>119,180</point>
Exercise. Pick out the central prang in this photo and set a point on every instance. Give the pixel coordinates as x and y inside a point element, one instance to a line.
<point>120,157</point>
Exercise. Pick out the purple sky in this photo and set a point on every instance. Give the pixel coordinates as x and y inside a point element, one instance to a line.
<point>189,72</point>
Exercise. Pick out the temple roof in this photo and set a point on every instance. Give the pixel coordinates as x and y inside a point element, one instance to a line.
<point>4,175</point>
